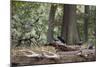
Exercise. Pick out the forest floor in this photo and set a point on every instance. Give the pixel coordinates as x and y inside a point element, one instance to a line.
<point>50,55</point>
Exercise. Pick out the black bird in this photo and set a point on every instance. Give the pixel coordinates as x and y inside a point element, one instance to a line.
<point>61,39</point>
<point>90,46</point>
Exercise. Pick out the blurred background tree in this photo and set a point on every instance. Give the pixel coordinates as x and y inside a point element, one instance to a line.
<point>34,24</point>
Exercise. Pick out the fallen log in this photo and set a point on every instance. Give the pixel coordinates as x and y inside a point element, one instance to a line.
<point>84,55</point>
<point>30,58</point>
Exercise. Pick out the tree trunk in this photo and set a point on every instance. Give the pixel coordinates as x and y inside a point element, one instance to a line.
<point>65,23</point>
<point>86,23</point>
<point>69,27</point>
<point>51,23</point>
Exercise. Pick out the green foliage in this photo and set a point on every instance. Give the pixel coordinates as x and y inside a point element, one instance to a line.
<point>30,19</point>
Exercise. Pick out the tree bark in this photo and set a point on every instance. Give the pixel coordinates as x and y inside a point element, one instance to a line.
<point>50,23</point>
<point>69,27</point>
<point>65,22</point>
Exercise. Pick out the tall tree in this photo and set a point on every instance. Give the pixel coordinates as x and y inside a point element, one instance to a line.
<point>69,26</point>
<point>86,19</point>
<point>51,22</point>
<point>65,23</point>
